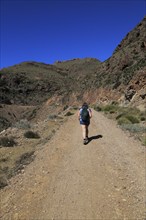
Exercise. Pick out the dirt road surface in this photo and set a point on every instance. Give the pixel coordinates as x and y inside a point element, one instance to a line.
<point>103,180</point>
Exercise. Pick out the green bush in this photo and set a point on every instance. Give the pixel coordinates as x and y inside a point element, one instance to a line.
<point>98,108</point>
<point>69,114</point>
<point>111,108</point>
<point>133,119</point>
<point>123,120</point>
<point>134,128</point>
<point>52,117</point>
<point>108,108</point>
<point>144,141</point>
<point>23,124</point>
<point>3,181</point>
<point>119,116</point>
<point>132,111</point>
<point>5,159</point>
<point>127,119</point>
<point>131,114</point>
<point>142,118</point>
<point>24,159</point>
<point>112,112</point>
<point>7,142</point>
<point>31,134</point>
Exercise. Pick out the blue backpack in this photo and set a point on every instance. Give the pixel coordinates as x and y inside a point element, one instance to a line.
<point>85,114</point>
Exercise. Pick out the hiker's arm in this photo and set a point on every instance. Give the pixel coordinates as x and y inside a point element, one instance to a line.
<point>78,115</point>
<point>90,113</point>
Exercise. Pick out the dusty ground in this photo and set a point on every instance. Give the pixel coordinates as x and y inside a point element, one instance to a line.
<point>71,181</point>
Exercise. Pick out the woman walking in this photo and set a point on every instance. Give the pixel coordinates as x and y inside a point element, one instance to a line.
<point>84,116</point>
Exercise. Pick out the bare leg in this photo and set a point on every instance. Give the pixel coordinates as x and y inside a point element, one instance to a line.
<point>83,131</point>
<point>87,131</point>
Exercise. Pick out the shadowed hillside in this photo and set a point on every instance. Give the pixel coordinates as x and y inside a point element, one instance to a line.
<point>31,83</point>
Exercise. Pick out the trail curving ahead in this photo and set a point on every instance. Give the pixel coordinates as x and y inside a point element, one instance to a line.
<point>71,181</point>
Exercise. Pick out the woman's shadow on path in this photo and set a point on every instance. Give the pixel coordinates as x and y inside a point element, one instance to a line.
<point>94,137</point>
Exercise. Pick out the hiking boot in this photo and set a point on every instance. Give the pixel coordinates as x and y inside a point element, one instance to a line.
<point>85,141</point>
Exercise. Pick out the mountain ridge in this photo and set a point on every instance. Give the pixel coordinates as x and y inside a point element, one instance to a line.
<point>120,78</point>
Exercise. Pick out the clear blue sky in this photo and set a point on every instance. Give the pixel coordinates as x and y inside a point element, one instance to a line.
<point>50,30</point>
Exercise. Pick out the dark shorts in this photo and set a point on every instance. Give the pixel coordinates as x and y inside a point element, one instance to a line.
<point>84,122</point>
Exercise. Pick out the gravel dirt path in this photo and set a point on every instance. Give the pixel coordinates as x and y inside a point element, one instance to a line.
<point>103,180</point>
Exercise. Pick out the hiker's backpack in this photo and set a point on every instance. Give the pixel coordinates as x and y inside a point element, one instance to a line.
<point>85,114</point>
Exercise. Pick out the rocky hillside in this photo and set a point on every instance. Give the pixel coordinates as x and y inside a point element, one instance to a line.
<point>123,74</point>
<point>33,83</point>
<point>128,59</point>
<point>121,78</point>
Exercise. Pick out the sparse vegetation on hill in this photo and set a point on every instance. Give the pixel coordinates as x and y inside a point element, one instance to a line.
<point>130,119</point>
<point>7,142</point>
<point>18,145</point>
<point>31,134</point>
